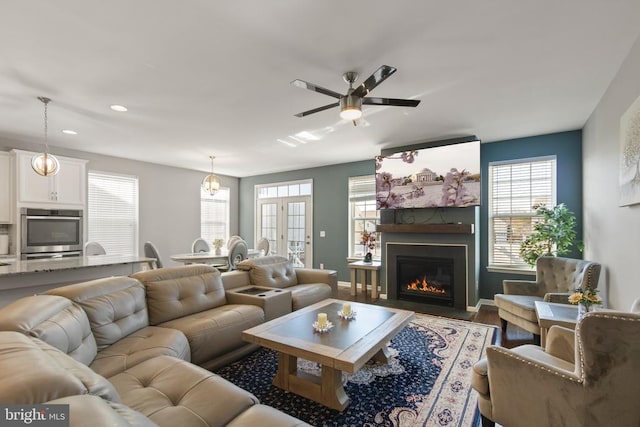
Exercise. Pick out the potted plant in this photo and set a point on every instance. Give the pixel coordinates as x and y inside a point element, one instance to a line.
<point>368,239</point>
<point>553,235</point>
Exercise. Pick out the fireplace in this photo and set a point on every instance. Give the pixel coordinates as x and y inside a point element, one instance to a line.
<point>425,279</point>
<point>427,273</point>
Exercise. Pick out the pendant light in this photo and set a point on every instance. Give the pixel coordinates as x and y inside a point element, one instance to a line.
<point>45,164</point>
<point>211,182</point>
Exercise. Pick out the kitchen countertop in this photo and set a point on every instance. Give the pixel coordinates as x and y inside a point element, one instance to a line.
<point>17,267</point>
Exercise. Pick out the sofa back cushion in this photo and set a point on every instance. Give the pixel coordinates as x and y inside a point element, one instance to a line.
<point>115,306</point>
<point>34,372</point>
<point>180,291</point>
<point>270,271</point>
<point>559,274</point>
<point>56,321</point>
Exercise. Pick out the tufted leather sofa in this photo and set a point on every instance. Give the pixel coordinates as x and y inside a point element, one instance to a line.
<point>128,341</point>
<point>556,279</point>
<point>307,286</point>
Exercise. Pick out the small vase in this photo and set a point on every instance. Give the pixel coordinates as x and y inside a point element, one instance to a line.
<point>218,251</point>
<point>583,309</point>
<point>368,257</point>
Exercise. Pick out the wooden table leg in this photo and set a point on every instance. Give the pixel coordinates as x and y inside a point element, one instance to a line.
<point>363,276</point>
<point>382,356</point>
<point>287,365</point>
<point>353,282</point>
<point>374,284</point>
<point>333,394</point>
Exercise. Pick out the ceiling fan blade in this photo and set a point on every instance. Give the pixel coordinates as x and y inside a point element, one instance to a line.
<point>306,85</point>
<point>316,110</point>
<point>374,80</point>
<point>391,101</point>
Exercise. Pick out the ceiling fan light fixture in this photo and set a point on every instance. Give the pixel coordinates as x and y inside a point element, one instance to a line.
<point>211,182</point>
<point>350,107</point>
<point>45,164</point>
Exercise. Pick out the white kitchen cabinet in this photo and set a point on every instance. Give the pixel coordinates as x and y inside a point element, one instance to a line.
<point>6,189</point>
<point>68,187</point>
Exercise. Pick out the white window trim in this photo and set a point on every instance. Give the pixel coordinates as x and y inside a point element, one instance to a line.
<point>499,268</point>
<point>350,255</point>
<point>136,240</point>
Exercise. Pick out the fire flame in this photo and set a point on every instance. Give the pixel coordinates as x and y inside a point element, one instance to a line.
<point>424,286</point>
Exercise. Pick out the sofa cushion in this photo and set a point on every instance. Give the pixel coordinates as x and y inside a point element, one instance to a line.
<point>270,271</point>
<point>115,306</point>
<point>56,321</point>
<point>173,392</point>
<point>212,333</point>
<point>180,291</point>
<point>307,294</point>
<point>35,372</point>
<point>521,305</point>
<point>141,345</point>
<point>262,415</point>
<point>86,409</point>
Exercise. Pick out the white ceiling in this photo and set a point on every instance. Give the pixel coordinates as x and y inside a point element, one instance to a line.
<point>204,77</point>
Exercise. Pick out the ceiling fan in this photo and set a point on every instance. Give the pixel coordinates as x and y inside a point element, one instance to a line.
<point>351,103</point>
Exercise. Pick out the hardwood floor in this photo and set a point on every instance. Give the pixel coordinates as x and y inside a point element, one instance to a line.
<point>487,315</point>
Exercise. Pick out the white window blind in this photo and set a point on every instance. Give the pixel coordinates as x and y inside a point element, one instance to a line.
<point>363,215</point>
<point>113,212</point>
<point>214,215</point>
<point>514,189</point>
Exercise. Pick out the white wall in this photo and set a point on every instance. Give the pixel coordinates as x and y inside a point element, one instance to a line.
<point>169,198</point>
<point>611,232</point>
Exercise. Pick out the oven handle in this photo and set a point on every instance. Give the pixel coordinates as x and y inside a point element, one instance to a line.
<point>76,218</point>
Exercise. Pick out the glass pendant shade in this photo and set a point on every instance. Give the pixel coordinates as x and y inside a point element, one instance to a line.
<point>211,182</point>
<point>45,164</point>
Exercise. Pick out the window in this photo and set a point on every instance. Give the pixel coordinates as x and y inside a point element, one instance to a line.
<point>214,215</point>
<point>113,212</point>
<point>514,189</point>
<point>363,215</point>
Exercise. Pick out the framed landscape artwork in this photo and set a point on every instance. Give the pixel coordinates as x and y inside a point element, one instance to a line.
<point>630,155</point>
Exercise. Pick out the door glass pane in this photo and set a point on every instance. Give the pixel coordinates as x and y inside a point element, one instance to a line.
<point>269,225</point>
<point>296,233</point>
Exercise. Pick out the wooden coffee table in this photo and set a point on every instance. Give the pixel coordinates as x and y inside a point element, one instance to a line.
<point>345,347</point>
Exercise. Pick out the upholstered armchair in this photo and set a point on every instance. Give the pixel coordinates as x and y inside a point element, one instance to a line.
<point>556,279</point>
<point>587,378</point>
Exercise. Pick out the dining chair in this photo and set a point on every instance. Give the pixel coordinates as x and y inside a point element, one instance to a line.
<point>200,245</point>
<point>263,245</point>
<point>232,240</point>
<point>94,248</point>
<point>150,251</point>
<point>238,252</point>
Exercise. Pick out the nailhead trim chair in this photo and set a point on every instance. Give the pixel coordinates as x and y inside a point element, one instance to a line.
<point>556,279</point>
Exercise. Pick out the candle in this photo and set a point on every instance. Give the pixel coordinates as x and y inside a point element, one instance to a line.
<point>346,309</point>
<point>322,320</point>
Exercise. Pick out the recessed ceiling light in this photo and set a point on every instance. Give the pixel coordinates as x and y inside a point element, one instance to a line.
<point>69,132</point>
<point>119,108</point>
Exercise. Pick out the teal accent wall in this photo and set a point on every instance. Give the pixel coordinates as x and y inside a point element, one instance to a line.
<point>567,147</point>
<point>331,205</point>
<point>330,209</point>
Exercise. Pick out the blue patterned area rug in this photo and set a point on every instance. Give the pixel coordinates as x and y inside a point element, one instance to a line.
<point>427,382</point>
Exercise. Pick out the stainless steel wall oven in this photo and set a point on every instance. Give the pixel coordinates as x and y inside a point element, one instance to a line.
<point>51,233</point>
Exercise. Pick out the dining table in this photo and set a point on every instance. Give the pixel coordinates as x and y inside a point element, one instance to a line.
<point>211,257</point>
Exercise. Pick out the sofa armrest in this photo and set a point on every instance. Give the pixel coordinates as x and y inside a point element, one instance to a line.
<point>522,287</point>
<point>561,343</point>
<point>315,275</point>
<point>557,297</point>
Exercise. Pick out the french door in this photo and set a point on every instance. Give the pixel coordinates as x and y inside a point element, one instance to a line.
<point>287,223</point>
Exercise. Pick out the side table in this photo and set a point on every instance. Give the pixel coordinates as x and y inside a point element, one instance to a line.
<point>374,267</point>
<point>550,314</point>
